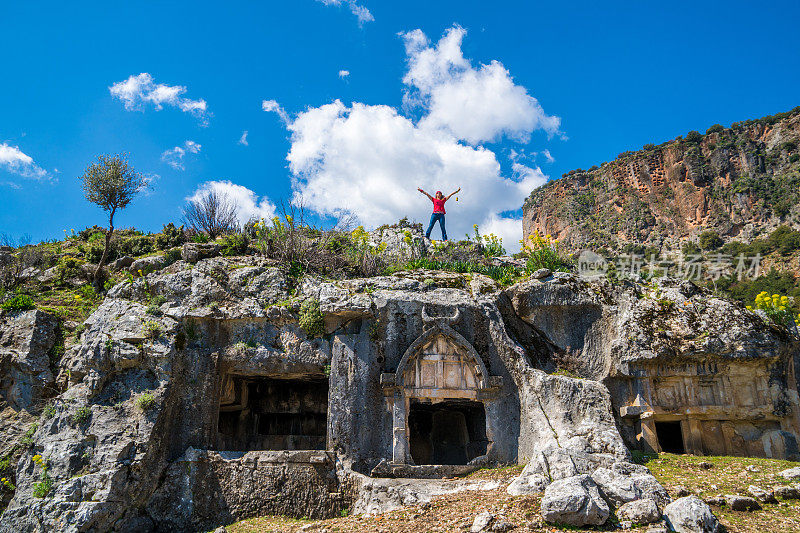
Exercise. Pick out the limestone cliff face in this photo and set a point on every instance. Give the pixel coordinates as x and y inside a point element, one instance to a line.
<point>217,404</point>
<point>739,181</point>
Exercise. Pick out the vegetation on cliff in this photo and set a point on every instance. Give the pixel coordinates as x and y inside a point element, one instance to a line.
<point>738,181</point>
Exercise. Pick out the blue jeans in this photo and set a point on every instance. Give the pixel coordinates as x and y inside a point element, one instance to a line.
<point>434,218</point>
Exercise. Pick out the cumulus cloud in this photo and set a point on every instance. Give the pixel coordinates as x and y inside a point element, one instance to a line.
<point>17,162</point>
<point>368,160</point>
<point>271,106</point>
<point>474,104</point>
<point>248,204</point>
<point>138,91</point>
<point>243,138</point>
<point>344,73</point>
<point>362,13</point>
<point>174,156</point>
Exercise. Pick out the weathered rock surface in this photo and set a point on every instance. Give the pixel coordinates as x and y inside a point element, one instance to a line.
<point>792,474</point>
<point>762,495</point>
<point>741,503</point>
<point>192,252</point>
<point>691,515</point>
<point>626,482</point>
<point>574,501</point>
<point>482,522</point>
<point>639,511</point>
<point>787,492</point>
<point>660,194</point>
<point>156,430</point>
<point>26,339</point>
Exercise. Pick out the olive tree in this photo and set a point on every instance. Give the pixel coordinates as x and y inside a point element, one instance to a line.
<point>110,183</point>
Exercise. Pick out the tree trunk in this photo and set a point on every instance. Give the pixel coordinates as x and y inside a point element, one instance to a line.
<point>97,273</point>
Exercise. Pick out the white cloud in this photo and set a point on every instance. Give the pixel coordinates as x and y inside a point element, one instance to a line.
<point>362,13</point>
<point>17,162</point>
<point>174,156</point>
<point>243,138</point>
<point>475,105</point>
<point>507,228</point>
<point>271,106</point>
<point>548,156</point>
<point>344,73</point>
<point>368,160</point>
<point>137,91</point>
<point>248,204</point>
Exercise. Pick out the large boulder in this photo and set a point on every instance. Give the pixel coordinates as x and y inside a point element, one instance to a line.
<point>639,511</point>
<point>626,482</point>
<point>146,265</point>
<point>792,474</point>
<point>574,501</point>
<point>192,252</point>
<point>691,515</point>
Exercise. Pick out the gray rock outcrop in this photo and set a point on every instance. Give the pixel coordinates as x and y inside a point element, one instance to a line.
<point>179,408</point>
<point>639,511</point>
<point>691,515</point>
<point>574,501</point>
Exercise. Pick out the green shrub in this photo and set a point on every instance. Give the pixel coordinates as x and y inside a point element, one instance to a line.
<point>27,438</point>
<point>154,307</point>
<point>710,240</point>
<point>172,255</point>
<point>170,237</point>
<point>145,401</point>
<point>780,309</point>
<point>690,248</point>
<point>69,267</point>
<point>234,244</point>
<point>694,137</point>
<point>311,319</point>
<point>774,282</point>
<point>82,415</point>
<point>18,302</point>
<point>794,158</point>
<point>715,129</point>
<point>152,330</point>
<point>200,238</point>
<point>136,246</point>
<point>45,485</point>
<point>89,233</point>
<point>94,253</point>
<point>491,244</point>
<point>49,411</point>
<point>543,252</point>
<point>785,239</point>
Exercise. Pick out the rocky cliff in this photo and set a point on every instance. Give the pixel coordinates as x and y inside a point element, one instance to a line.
<point>741,181</point>
<point>218,389</point>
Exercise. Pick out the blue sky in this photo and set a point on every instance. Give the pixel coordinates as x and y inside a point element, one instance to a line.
<point>578,81</point>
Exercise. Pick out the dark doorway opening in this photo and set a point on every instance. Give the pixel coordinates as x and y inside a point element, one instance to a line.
<point>452,432</point>
<point>670,437</point>
<point>273,414</point>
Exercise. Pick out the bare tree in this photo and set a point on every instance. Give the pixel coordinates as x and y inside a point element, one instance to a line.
<point>111,183</point>
<point>213,213</point>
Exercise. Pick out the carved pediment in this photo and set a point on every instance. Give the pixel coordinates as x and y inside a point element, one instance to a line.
<point>441,364</point>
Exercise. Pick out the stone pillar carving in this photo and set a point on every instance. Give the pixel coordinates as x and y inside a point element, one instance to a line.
<point>693,436</point>
<point>400,448</point>
<point>647,433</point>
